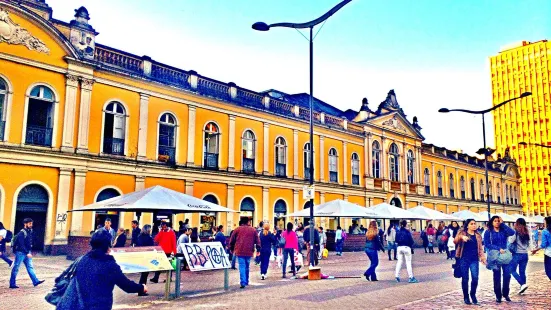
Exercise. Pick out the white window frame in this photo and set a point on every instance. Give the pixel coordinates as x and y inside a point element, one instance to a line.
<point>278,145</point>
<point>55,112</point>
<point>255,149</point>
<point>176,133</point>
<point>126,124</point>
<point>410,168</point>
<point>376,154</point>
<point>6,116</point>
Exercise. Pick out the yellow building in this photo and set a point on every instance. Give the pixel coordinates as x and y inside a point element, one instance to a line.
<point>83,122</point>
<point>525,67</point>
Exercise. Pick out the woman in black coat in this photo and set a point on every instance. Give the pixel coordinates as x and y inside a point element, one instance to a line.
<point>96,275</point>
<point>145,239</point>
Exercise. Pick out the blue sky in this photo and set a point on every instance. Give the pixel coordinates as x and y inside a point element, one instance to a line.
<point>433,53</point>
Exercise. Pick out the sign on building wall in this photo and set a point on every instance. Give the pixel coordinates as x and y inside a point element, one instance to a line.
<point>203,256</point>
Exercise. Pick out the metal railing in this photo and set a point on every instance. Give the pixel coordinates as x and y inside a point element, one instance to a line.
<point>248,165</point>
<point>307,173</point>
<point>427,190</point>
<point>213,89</point>
<point>355,179</point>
<point>114,146</point>
<point>211,161</point>
<point>168,151</point>
<point>116,59</point>
<point>333,176</point>
<point>2,129</point>
<point>38,135</point>
<point>281,170</point>
<point>170,76</point>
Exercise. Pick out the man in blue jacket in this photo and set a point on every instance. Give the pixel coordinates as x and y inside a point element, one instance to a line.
<point>22,250</point>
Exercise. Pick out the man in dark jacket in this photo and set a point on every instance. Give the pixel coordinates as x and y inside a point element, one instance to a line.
<point>242,244</point>
<point>135,232</point>
<point>404,241</point>
<point>22,249</point>
<point>316,244</point>
<point>96,275</point>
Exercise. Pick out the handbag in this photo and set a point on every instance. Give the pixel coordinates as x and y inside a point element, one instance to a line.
<point>282,241</point>
<point>62,283</point>
<point>457,268</point>
<point>503,258</point>
<point>512,246</point>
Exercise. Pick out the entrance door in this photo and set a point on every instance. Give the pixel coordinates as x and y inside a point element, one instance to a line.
<point>32,202</point>
<point>247,210</point>
<point>101,216</point>
<point>280,210</point>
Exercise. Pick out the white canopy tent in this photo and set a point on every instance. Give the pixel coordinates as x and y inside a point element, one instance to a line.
<point>507,217</point>
<point>433,214</point>
<point>466,214</point>
<point>528,219</point>
<point>337,208</point>
<point>538,219</point>
<point>390,212</point>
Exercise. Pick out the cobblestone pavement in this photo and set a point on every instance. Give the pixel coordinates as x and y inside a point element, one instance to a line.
<point>205,290</point>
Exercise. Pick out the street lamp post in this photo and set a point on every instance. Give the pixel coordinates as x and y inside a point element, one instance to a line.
<point>261,26</point>
<point>525,144</point>
<point>486,151</point>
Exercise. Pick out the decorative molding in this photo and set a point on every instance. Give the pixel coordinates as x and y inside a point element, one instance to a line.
<point>71,80</point>
<point>12,33</point>
<point>394,123</point>
<point>86,83</point>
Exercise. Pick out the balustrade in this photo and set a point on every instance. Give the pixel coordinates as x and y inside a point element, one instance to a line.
<point>38,135</point>
<point>116,59</point>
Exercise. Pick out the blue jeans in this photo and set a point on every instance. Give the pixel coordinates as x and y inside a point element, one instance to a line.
<point>289,253</point>
<point>265,260</point>
<point>502,288</point>
<point>373,256</point>
<point>243,262</point>
<point>473,267</point>
<point>233,260</point>
<point>340,243</point>
<point>520,261</point>
<point>22,258</point>
<point>5,258</point>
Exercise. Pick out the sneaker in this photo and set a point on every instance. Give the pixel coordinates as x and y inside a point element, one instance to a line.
<point>15,286</point>
<point>397,279</point>
<point>413,280</point>
<point>242,286</point>
<point>523,289</point>
<point>143,294</point>
<point>153,280</point>
<point>262,277</point>
<point>39,282</point>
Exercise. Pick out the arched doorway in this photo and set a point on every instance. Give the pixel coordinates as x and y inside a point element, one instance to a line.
<point>247,209</point>
<point>280,210</point>
<point>101,216</point>
<point>32,202</point>
<point>208,220</point>
<point>396,202</point>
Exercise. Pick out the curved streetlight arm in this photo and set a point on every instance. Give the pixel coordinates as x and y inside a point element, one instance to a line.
<point>314,22</point>
<point>535,144</point>
<point>526,94</point>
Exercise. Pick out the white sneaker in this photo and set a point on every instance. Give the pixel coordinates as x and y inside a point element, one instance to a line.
<point>523,289</point>
<point>262,277</point>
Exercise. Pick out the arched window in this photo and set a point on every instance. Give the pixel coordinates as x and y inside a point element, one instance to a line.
<point>490,191</point>
<point>211,198</point>
<point>280,210</point>
<point>511,194</point>
<point>247,209</point>
<point>452,186</point>
<point>439,179</point>
<point>516,195</point>
<point>427,181</point>
<point>355,169</point>
<point>507,193</point>
<point>333,170</point>
<point>473,189</point>
<point>114,128</point>
<point>281,157</point>
<point>393,163</point>
<point>40,116</point>
<point>101,216</point>
<point>498,189</point>
<point>376,160</point>
<point>208,220</point>
<point>411,179</point>
<point>33,201</point>
<point>167,138</point>
<point>462,185</point>
<point>482,190</point>
<point>248,152</point>
<point>3,99</point>
<point>211,146</point>
<point>306,160</point>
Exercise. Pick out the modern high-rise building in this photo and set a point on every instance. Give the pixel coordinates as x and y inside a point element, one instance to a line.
<point>525,67</point>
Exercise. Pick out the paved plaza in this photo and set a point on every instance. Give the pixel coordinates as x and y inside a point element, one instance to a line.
<point>437,288</point>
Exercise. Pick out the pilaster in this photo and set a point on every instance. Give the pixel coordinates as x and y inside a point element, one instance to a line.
<point>265,204</point>
<point>295,153</point>
<point>71,88</point>
<point>142,132</point>
<point>78,202</point>
<point>190,162</point>
<point>266,138</point>
<point>61,219</point>
<point>345,162</point>
<point>322,159</point>
<point>189,191</point>
<point>84,115</point>
<point>230,205</point>
<point>231,146</point>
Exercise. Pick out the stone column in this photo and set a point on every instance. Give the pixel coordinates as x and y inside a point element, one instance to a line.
<point>367,155</point>
<point>295,200</point>
<point>295,153</point>
<point>191,138</point>
<point>322,198</point>
<point>189,191</point>
<point>446,183</point>
<point>231,205</point>
<point>138,186</point>
<point>266,149</point>
<point>142,132</point>
<point>63,196</point>
<point>84,116</point>
<point>265,204</point>
<point>434,182</point>
<point>71,88</point>
<point>345,162</point>
<point>322,159</point>
<point>231,146</point>
<point>78,202</point>
<point>384,160</point>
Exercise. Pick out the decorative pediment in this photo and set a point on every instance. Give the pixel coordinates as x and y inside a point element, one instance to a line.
<point>12,33</point>
<point>398,123</point>
<point>390,104</point>
<point>394,123</point>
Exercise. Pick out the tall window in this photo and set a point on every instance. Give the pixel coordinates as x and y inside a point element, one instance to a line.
<point>482,190</point>
<point>306,160</point>
<point>333,170</point>
<point>211,146</point>
<point>376,158</point>
<point>516,195</point>
<point>439,179</point>
<point>452,186</point>
<point>3,96</point>
<point>114,129</point>
<point>410,167</point>
<point>498,192</point>
<point>248,152</point>
<point>490,193</point>
<point>393,162</point>
<point>462,185</point>
<point>167,138</point>
<point>281,157</point>
<point>473,189</point>
<point>355,169</point>
<point>40,115</point>
<point>427,181</point>
<point>507,193</point>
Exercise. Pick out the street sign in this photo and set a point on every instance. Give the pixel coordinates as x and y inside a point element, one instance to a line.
<point>308,192</point>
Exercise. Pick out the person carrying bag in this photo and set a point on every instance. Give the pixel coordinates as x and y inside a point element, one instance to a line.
<point>499,256</point>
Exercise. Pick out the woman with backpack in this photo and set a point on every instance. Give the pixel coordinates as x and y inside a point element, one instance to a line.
<point>519,246</point>
<point>495,240</point>
<point>546,245</point>
<point>5,237</point>
<point>372,246</point>
<point>469,253</point>
<point>267,241</point>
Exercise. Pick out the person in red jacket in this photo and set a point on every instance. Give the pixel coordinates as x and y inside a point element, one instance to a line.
<point>242,243</point>
<point>166,239</point>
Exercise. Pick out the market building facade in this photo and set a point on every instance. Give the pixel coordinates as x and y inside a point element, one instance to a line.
<point>82,122</point>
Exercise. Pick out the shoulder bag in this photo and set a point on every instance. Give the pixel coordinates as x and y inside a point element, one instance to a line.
<point>62,283</point>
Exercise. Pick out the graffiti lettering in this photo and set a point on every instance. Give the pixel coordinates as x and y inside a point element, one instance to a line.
<point>206,256</point>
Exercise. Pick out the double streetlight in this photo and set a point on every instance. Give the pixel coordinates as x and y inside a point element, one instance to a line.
<point>540,145</point>
<point>261,26</point>
<point>485,151</point>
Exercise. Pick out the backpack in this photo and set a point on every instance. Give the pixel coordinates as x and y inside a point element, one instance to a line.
<point>9,236</point>
<point>445,236</point>
<point>14,245</point>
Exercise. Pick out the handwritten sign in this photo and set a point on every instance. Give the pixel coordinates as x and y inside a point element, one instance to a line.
<point>203,256</point>
<point>141,259</point>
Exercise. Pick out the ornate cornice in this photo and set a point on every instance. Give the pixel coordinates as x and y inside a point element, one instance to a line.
<point>12,33</point>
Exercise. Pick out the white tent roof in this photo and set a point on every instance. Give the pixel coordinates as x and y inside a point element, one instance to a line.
<point>507,217</point>
<point>538,219</point>
<point>466,214</point>
<point>433,214</point>
<point>337,208</point>
<point>153,199</point>
<point>387,211</point>
<point>526,218</point>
